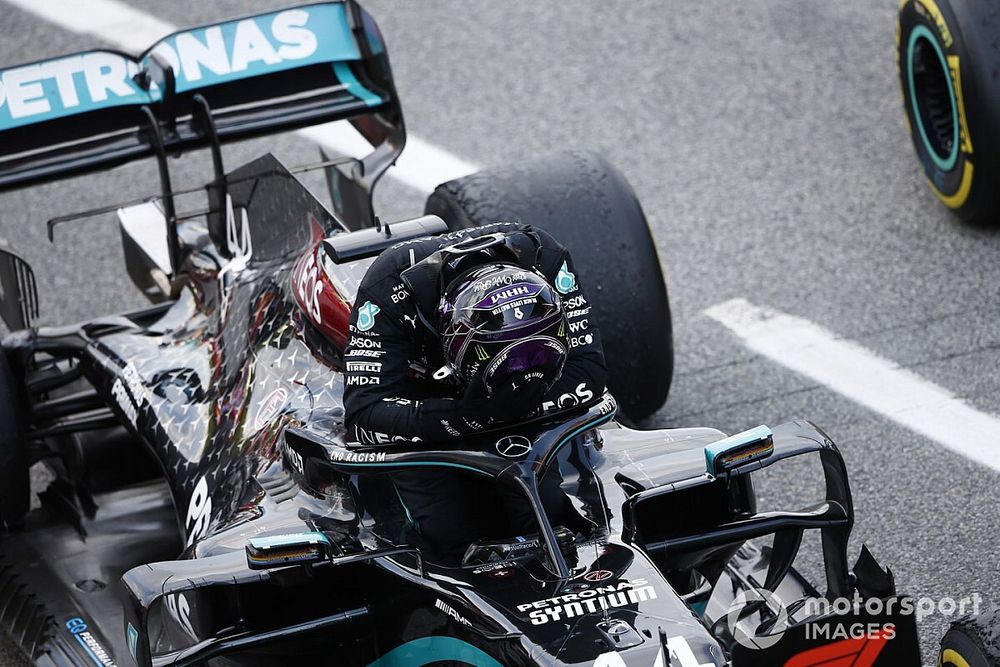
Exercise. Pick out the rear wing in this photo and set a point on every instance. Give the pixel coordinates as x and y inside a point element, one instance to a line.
<point>200,87</point>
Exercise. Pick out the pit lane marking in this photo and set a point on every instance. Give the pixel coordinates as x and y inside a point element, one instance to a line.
<point>421,166</point>
<point>864,377</point>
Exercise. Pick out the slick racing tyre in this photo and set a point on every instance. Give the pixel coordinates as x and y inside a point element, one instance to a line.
<point>948,56</point>
<point>972,642</point>
<point>589,207</point>
<point>14,484</point>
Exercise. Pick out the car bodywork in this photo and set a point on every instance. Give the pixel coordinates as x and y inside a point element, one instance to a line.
<point>206,505</point>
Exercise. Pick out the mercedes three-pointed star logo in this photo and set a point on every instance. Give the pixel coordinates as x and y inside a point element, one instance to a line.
<point>513,446</point>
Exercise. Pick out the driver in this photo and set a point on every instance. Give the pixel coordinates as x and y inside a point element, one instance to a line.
<point>458,334</point>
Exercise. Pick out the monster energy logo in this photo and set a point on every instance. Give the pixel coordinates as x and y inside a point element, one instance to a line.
<point>481,353</point>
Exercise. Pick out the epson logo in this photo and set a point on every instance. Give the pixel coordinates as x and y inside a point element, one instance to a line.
<point>367,343</point>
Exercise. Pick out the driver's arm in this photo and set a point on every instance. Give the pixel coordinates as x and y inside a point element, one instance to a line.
<point>585,374</point>
<point>378,409</point>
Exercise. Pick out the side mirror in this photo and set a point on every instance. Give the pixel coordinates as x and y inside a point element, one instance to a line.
<point>264,553</point>
<point>738,450</point>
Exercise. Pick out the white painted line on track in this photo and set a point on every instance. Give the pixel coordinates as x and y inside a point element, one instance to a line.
<point>114,22</point>
<point>421,166</point>
<point>862,376</point>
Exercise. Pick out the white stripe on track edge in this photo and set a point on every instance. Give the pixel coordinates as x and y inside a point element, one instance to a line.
<point>421,166</point>
<point>865,378</point>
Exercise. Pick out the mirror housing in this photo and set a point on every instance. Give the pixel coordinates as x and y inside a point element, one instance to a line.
<point>264,553</point>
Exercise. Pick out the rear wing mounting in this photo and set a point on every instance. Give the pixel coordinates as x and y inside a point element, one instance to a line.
<point>202,87</point>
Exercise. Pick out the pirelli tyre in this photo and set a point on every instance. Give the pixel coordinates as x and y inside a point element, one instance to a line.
<point>948,57</point>
<point>589,207</point>
<point>14,483</point>
<point>972,642</point>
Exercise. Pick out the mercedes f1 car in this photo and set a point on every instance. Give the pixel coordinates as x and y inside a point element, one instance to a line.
<point>205,507</point>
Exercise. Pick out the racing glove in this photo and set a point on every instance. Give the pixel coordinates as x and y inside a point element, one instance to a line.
<point>515,399</point>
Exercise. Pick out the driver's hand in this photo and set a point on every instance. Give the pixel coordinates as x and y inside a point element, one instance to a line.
<point>513,400</point>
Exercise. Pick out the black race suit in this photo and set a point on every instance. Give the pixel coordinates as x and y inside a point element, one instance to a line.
<point>393,348</point>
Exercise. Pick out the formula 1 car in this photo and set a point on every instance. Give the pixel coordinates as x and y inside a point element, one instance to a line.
<point>205,506</point>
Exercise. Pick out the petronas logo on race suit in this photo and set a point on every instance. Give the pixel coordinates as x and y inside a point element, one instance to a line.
<point>366,316</point>
<point>565,280</point>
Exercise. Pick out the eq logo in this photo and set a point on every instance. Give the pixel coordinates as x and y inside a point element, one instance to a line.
<point>513,446</point>
<point>76,625</point>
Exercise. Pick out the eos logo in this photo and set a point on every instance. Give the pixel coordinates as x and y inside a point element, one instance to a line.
<point>580,395</point>
<point>513,446</point>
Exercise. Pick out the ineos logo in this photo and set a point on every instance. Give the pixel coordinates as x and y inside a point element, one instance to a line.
<point>597,575</point>
<point>513,446</point>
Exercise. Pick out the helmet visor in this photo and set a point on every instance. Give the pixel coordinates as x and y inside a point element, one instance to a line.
<point>538,358</point>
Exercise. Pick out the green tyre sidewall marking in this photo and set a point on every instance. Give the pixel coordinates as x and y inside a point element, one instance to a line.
<point>428,650</point>
<point>949,163</point>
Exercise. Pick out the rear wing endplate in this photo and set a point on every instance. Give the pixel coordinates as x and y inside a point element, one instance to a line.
<point>18,294</point>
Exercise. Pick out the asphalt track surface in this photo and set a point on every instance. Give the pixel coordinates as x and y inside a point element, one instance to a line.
<point>766,142</point>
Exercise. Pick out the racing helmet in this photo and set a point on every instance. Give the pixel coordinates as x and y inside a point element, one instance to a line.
<point>504,323</point>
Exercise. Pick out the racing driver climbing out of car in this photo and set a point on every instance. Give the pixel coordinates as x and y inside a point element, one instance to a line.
<point>455,335</point>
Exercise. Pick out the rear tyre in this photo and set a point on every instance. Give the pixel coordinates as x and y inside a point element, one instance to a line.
<point>14,482</point>
<point>947,53</point>
<point>972,642</point>
<point>589,207</point>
